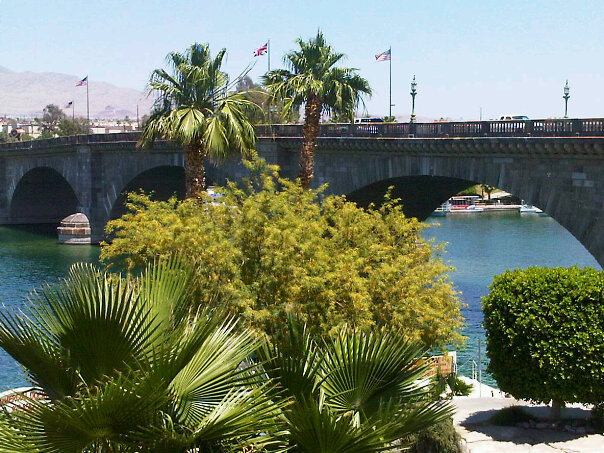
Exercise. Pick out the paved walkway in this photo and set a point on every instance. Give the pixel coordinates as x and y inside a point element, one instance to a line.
<point>474,411</point>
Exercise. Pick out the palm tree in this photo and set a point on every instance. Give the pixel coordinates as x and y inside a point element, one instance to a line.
<point>127,365</point>
<point>196,108</point>
<point>358,392</point>
<point>313,79</point>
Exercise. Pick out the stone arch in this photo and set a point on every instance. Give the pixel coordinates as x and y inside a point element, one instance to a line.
<point>546,184</point>
<point>42,195</point>
<point>163,181</point>
<point>420,195</point>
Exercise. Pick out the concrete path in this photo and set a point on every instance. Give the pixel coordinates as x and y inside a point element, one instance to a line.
<point>473,413</point>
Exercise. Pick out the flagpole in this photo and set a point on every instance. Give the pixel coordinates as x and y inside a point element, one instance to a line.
<point>269,55</point>
<point>268,45</point>
<point>87,101</point>
<point>390,90</point>
<point>72,110</point>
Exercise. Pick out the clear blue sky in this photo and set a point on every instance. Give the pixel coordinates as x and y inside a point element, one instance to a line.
<point>504,56</point>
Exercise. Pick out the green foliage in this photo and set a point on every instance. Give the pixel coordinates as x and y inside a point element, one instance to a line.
<point>545,333</point>
<point>458,386</point>
<point>597,416</point>
<point>128,365</point>
<point>511,416</point>
<point>389,119</point>
<point>195,104</point>
<point>312,72</point>
<point>45,134</point>
<point>357,392</point>
<point>270,109</point>
<point>450,383</point>
<point>440,438</point>
<point>197,108</point>
<point>472,190</point>
<point>342,118</point>
<point>49,122</point>
<point>273,249</point>
<point>73,126</point>
<point>487,189</point>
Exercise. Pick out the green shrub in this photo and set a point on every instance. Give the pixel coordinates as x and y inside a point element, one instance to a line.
<point>545,334</point>
<point>510,416</point>
<point>273,249</point>
<point>441,438</point>
<point>458,386</point>
<point>597,416</point>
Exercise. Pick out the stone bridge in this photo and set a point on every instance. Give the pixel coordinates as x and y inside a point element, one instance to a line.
<point>561,172</point>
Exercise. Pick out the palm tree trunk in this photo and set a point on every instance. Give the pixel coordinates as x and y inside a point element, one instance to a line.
<point>310,133</point>
<point>195,171</point>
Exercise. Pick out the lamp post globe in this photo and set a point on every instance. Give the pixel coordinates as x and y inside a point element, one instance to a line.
<point>566,97</point>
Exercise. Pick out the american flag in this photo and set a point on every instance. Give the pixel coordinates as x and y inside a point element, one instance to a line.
<point>261,50</point>
<point>82,82</point>
<point>384,56</point>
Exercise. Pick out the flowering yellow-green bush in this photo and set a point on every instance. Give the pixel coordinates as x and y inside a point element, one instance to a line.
<point>273,249</point>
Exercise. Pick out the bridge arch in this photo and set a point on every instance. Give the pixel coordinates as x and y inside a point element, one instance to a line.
<point>562,188</point>
<point>42,195</point>
<point>164,181</point>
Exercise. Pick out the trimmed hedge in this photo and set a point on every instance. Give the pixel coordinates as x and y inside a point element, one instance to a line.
<point>545,333</point>
<point>441,438</point>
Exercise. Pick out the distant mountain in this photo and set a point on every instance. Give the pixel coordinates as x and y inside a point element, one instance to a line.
<point>25,94</point>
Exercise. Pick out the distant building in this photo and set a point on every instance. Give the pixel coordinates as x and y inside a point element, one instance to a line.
<point>112,126</point>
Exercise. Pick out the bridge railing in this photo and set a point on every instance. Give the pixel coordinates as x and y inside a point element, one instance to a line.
<point>515,128</point>
<point>585,127</point>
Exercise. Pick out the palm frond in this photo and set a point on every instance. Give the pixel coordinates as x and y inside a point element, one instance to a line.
<point>312,70</point>
<point>195,108</point>
<point>293,360</point>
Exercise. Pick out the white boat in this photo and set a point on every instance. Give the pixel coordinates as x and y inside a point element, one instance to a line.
<point>442,210</point>
<point>529,209</point>
<point>464,204</point>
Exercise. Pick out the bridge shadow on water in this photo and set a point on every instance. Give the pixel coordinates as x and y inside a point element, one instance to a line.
<point>420,195</point>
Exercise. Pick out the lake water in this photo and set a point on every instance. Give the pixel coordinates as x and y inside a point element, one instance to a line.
<point>29,258</point>
<point>482,245</point>
<point>479,246</point>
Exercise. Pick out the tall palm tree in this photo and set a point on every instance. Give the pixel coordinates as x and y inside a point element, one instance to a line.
<point>127,366</point>
<point>359,392</point>
<point>196,108</point>
<point>313,79</point>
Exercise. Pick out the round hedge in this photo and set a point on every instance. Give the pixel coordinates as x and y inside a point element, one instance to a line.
<point>545,333</point>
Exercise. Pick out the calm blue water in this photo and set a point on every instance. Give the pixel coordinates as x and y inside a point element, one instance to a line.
<point>483,245</point>
<point>479,246</point>
<point>29,258</point>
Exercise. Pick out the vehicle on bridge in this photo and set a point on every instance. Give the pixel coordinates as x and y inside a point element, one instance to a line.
<point>514,118</point>
<point>368,120</point>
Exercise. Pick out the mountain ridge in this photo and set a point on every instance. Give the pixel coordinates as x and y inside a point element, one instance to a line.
<point>25,94</point>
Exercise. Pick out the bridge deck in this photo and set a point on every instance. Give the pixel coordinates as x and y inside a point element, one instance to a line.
<point>550,128</point>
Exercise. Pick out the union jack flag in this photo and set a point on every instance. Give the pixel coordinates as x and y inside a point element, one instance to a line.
<point>82,82</point>
<point>261,50</point>
<point>384,56</point>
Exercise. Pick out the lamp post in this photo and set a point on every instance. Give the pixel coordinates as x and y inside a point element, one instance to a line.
<point>413,94</point>
<point>566,97</point>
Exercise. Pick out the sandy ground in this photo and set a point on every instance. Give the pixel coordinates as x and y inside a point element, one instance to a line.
<point>474,411</point>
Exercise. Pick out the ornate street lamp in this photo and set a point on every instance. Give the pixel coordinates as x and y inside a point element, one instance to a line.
<point>413,94</point>
<point>566,97</point>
